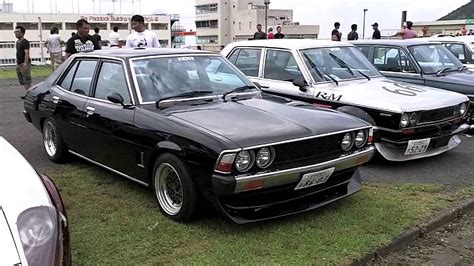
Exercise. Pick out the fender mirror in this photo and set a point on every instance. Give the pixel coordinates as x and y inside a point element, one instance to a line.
<point>301,83</point>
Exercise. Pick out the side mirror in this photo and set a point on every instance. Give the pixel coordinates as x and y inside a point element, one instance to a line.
<point>258,85</point>
<point>301,83</point>
<point>115,98</point>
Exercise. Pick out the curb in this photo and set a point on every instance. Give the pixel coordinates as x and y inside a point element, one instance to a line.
<point>418,231</point>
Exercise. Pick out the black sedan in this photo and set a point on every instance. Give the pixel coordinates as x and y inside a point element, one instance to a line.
<point>191,127</point>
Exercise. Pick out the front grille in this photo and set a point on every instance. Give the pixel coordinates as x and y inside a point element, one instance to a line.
<point>437,115</point>
<point>317,149</point>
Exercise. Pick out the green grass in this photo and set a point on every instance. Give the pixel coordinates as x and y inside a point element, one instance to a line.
<point>115,221</point>
<point>36,72</point>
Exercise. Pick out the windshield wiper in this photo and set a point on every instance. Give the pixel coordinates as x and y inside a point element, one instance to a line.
<point>185,94</point>
<point>349,68</point>
<point>441,71</point>
<point>239,89</point>
<point>461,68</point>
<point>320,72</point>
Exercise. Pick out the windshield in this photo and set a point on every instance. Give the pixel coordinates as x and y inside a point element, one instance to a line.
<point>434,58</point>
<point>165,77</point>
<point>337,63</point>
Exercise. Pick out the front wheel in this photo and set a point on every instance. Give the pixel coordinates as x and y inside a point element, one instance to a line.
<point>174,188</point>
<point>53,142</point>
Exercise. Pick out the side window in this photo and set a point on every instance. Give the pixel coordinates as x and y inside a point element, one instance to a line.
<point>83,78</point>
<point>112,79</point>
<point>281,65</point>
<point>387,59</point>
<point>457,50</point>
<point>365,50</point>
<point>248,61</point>
<point>67,80</point>
<point>233,56</point>
<point>407,65</point>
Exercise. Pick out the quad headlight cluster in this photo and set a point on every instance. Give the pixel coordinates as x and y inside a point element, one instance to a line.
<point>355,139</point>
<point>246,159</point>
<point>409,119</point>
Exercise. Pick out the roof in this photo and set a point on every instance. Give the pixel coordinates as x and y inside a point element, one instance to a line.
<point>138,52</point>
<point>290,43</point>
<point>408,42</point>
<point>463,12</point>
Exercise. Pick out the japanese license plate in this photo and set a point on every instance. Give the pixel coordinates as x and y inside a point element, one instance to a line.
<point>316,178</point>
<point>417,146</point>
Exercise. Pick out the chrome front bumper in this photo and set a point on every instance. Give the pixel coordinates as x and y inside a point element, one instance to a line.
<point>283,177</point>
<point>398,155</point>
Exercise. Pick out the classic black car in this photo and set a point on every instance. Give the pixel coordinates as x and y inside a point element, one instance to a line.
<point>421,62</point>
<point>189,125</point>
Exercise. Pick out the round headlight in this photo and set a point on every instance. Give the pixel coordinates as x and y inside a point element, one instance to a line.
<point>37,226</point>
<point>360,139</point>
<point>463,109</point>
<point>244,161</point>
<point>414,119</point>
<point>264,157</point>
<point>405,120</point>
<point>347,142</point>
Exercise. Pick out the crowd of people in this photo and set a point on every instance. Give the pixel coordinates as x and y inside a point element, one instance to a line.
<point>406,32</point>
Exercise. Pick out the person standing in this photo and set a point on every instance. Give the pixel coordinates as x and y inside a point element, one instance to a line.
<point>279,35</point>
<point>376,35</point>
<point>335,34</point>
<point>408,33</point>
<point>53,45</point>
<point>97,36</point>
<point>141,37</point>
<point>353,35</point>
<point>23,61</point>
<point>114,38</point>
<point>81,42</point>
<point>259,34</point>
<point>270,35</point>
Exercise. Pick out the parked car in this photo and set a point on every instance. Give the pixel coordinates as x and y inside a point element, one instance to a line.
<point>411,121</point>
<point>33,220</point>
<point>419,61</point>
<point>160,118</point>
<point>459,48</point>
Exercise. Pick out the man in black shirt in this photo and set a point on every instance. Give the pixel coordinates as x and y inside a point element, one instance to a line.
<point>353,35</point>
<point>23,62</point>
<point>279,35</point>
<point>335,34</point>
<point>259,35</point>
<point>81,42</point>
<point>96,35</point>
<point>376,35</point>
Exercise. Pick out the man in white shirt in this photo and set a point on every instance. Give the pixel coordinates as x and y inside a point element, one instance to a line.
<point>114,38</point>
<point>53,44</point>
<point>141,37</point>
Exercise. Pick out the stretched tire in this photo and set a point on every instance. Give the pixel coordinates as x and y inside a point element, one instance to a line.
<point>53,142</point>
<point>174,188</point>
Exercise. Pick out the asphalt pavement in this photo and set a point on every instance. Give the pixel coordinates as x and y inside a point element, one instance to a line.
<point>454,169</point>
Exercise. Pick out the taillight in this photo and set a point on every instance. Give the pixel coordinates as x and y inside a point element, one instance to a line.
<point>225,163</point>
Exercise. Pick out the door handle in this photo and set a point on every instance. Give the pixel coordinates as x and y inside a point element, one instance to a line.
<point>90,110</point>
<point>265,86</point>
<point>55,99</point>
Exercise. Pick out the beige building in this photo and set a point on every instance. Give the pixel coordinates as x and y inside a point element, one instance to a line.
<point>429,28</point>
<point>219,22</point>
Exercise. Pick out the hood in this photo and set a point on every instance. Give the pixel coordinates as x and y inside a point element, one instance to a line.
<point>20,186</point>
<point>8,249</point>
<point>462,82</point>
<point>394,96</point>
<point>256,121</point>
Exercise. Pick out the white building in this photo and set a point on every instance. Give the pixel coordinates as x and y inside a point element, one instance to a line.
<point>219,22</point>
<point>38,28</point>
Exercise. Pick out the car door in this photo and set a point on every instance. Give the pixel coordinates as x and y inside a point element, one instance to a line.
<point>279,70</point>
<point>247,60</point>
<point>109,126</point>
<point>68,101</point>
<point>394,63</point>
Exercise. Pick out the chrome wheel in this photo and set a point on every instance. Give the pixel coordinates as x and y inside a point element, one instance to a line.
<point>169,190</point>
<point>50,139</point>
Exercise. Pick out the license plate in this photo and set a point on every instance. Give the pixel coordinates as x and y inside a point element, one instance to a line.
<point>417,146</point>
<point>316,178</point>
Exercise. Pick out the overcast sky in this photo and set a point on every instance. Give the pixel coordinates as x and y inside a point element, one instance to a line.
<point>324,13</point>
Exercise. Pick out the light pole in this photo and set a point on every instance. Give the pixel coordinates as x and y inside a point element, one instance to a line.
<point>363,24</point>
<point>267,2</point>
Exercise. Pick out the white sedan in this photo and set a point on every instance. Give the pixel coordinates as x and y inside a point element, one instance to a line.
<point>33,221</point>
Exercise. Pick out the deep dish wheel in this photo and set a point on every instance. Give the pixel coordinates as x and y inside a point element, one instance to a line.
<point>53,142</point>
<point>174,188</point>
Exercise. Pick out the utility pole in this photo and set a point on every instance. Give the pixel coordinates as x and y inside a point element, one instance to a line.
<point>40,29</point>
<point>267,2</point>
<point>363,29</point>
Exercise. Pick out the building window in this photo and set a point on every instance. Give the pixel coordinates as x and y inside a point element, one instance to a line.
<point>202,9</point>
<point>6,26</point>
<point>207,24</point>
<point>159,26</point>
<point>49,26</point>
<point>207,39</point>
<point>28,26</point>
<point>70,26</point>
<point>101,26</point>
<point>121,26</point>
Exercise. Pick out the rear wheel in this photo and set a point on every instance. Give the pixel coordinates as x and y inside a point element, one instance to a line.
<point>53,142</point>
<point>174,188</point>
